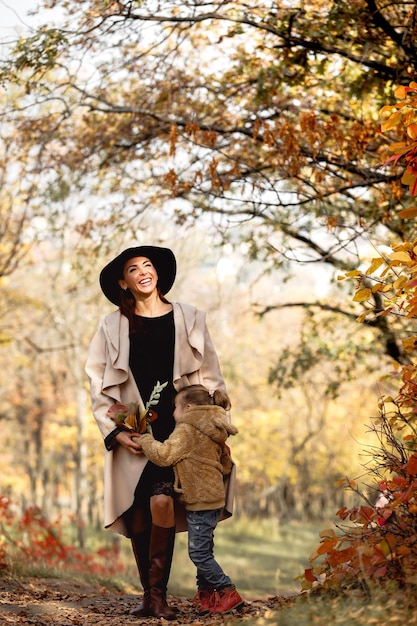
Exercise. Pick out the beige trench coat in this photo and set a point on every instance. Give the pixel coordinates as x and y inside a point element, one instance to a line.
<point>107,367</point>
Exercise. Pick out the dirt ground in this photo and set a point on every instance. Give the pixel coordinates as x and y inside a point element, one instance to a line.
<point>44,601</point>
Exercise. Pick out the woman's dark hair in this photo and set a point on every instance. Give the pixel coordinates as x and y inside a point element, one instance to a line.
<point>199,395</point>
<point>127,307</point>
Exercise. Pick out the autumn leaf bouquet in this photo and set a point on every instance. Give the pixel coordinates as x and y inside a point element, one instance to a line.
<point>129,416</point>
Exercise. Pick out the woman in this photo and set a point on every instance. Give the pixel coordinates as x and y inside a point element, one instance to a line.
<point>148,341</point>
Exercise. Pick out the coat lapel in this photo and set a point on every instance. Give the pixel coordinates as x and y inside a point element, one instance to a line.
<point>189,339</point>
<point>116,329</point>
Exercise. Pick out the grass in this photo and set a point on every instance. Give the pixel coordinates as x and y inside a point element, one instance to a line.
<point>343,610</point>
<point>261,557</point>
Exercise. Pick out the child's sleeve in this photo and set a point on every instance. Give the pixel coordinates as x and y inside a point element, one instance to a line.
<point>226,460</point>
<point>164,453</point>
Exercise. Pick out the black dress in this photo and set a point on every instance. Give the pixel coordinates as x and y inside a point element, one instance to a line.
<point>151,361</point>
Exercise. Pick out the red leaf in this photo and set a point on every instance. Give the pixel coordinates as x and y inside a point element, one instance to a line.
<point>309,576</point>
<point>381,571</point>
<point>117,409</point>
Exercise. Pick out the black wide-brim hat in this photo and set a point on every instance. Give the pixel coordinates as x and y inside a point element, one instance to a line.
<point>163,260</point>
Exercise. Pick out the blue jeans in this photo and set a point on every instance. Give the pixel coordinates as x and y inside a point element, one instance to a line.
<point>201,526</point>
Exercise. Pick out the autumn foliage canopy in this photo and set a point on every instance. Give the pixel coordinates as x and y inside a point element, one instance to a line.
<point>379,542</point>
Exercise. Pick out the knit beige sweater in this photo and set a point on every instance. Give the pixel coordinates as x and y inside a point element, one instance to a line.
<point>196,450</point>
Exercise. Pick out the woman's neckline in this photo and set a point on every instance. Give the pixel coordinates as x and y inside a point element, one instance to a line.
<point>153,317</point>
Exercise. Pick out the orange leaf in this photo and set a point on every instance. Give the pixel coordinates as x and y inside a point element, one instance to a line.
<point>367,513</point>
<point>327,545</point>
<point>401,92</point>
<point>412,131</point>
<point>342,513</point>
<point>408,213</point>
<point>412,465</point>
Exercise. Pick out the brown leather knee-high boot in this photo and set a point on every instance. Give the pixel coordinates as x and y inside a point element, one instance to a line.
<point>140,545</point>
<point>161,552</point>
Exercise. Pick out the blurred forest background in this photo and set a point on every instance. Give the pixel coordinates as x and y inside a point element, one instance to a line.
<point>247,139</point>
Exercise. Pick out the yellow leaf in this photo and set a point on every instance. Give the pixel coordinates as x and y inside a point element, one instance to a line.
<point>384,288</point>
<point>388,399</point>
<point>408,118</point>
<point>131,422</point>
<point>384,313</point>
<point>375,263</point>
<point>392,121</point>
<point>400,256</point>
<point>408,177</point>
<point>353,274</point>
<point>387,108</point>
<point>381,288</point>
<point>399,147</point>
<point>410,343</point>
<point>408,213</point>
<point>362,295</point>
<point>400,282</point>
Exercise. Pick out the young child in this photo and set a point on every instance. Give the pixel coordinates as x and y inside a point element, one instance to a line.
<point>198,452</point>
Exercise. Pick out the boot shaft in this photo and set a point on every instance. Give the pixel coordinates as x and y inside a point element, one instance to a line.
<point>161,550</point>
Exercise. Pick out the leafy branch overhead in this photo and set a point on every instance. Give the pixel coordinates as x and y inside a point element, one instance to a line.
<point>391,274</point>
<point>271,118</point>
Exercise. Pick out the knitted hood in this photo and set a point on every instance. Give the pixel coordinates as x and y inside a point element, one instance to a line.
<point>211,420</point>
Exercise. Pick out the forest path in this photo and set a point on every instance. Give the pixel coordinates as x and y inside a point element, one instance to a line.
<point>63,602</point>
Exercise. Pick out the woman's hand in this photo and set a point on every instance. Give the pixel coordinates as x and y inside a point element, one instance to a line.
<point>129,441</point>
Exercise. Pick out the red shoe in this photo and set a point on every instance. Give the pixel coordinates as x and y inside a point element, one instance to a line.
<point>203,600</point>
<point>225,600</point>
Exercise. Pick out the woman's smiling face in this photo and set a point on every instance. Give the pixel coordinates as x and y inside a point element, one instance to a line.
<point>139,276</point>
